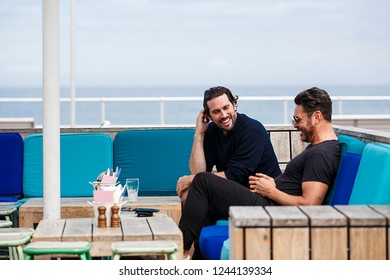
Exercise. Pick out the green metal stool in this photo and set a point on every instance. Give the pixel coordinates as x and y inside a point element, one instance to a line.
<point>15,243</point>
<point>12,231</point>
<point>10,214</point>
<point>155,247</point>
<point>79,248</point>
<point>12,252</point>
<point>5,224</point>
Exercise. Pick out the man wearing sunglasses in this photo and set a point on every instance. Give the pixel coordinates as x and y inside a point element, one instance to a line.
<point>305,180</point>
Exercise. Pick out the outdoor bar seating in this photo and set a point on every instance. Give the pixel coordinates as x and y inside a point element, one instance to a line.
<point>153,145</point>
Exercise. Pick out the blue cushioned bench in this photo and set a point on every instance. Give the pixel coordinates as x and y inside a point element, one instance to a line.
<point>351,154</point>
<point>372,182</point>
<point>11,184</point>
<point>158,157</point>
<point>83,157</point>
<point>363,177</point>
<point>11,166</point>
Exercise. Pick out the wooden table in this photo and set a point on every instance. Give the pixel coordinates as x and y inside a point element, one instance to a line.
<point>31,212</point>
<point>318,232</point>
<point>159,227</point>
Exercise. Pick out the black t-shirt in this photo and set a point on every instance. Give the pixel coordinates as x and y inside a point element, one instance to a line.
<point>316,163</point>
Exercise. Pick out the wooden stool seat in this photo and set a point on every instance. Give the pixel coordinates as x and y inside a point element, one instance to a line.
<point>15,243</point>
<point>5,224</point>
<point>155,247</point>
<point>79,248</point>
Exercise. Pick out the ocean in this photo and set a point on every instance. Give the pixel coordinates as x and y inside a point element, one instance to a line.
<point>181,113</point>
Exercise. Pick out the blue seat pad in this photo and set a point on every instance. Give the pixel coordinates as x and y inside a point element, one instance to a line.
<point>211,240</point>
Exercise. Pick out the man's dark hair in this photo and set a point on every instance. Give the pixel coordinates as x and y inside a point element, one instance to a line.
<point>215,92</point>
<point>315,99</point>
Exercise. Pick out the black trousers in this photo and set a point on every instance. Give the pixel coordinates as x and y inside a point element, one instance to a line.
<point>208,200</point>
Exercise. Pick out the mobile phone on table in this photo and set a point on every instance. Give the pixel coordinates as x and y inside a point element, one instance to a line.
<point>151,210</point>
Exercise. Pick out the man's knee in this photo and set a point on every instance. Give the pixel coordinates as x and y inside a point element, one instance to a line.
<point>201,179</point>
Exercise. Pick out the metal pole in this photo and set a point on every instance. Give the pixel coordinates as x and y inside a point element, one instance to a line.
<point>73,64</point>
<point>102,109</point>
<point>162,113</point>
<point>285,110</point>
<point>51,111</point>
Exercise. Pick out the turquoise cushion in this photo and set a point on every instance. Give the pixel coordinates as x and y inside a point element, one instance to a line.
<point>222,223</point>
<point>351,144</point>
<point>351,150</point>
<point>157,157</point>
<point>372,183</point>
<point>225,250</point>
<point>83,157</point>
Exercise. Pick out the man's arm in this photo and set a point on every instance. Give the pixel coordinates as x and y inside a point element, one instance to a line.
<point>197,158</point>
<point>313,192</point>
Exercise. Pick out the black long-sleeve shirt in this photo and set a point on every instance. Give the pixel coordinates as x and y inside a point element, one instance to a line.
<point>242,152</point>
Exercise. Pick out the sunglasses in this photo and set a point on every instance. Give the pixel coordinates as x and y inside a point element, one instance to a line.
<point>297,120</point>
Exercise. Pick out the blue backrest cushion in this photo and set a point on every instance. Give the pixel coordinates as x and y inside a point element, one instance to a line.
<point>11,166</point>
<point>158,157</point>
<point>372,183</point>
<point>351,150</point>
<point>346,178</point>
<point>83,157</point>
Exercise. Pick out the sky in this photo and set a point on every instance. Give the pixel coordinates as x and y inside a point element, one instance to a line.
<point>201,42</point>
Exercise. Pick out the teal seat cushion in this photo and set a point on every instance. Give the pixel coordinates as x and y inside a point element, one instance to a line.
<point>351,151</point>
<point>372,183</point>
<point>82,158</point>
<point>225,250</point>
<point>157,157</point>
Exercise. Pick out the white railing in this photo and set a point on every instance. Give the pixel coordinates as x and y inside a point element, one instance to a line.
<point>162,100</point>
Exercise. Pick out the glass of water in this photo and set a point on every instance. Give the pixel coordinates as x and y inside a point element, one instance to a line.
<point>132,187</point>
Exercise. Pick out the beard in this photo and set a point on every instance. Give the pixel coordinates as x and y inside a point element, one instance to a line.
<point>306,134</point>
<point>227,124</point>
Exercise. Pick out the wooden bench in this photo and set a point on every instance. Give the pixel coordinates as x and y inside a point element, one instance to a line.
<point>31,212</point>
<point>354,232</point>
